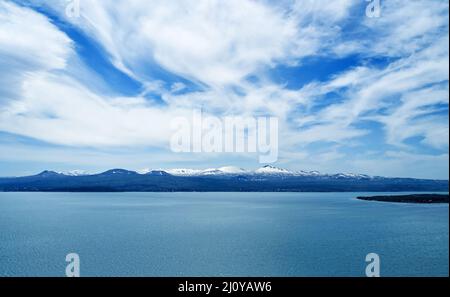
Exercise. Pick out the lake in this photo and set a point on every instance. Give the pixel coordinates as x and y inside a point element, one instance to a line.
<point>219,234</point>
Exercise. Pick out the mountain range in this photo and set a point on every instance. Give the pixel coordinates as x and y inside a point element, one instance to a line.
<point>225,179</point>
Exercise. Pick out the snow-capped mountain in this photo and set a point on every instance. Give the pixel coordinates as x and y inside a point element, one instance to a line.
<point>229,170</point>
<point>267,171</point>
<point>74,173</point>
<point>232,170</point>
<point>184,172</point>
<point>273,170</point>
<point>224,179</point>
<point>351,175</point>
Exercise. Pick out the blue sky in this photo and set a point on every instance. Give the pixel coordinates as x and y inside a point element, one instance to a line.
<point>98,90</point>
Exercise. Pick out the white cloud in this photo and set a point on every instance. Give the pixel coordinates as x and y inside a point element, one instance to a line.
<point>407,26</point>
<point>29,38</point>
<point>213,42</point>
<point>59,110</point>
<point>415,117</point>
<point>394,95</point>
<point>218,44</point>
<point>28,42</point>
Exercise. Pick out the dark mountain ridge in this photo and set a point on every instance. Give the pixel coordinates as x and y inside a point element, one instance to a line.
<point>121,180</point>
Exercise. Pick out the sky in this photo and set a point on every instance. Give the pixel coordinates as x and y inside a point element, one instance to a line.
<point>97,88</point>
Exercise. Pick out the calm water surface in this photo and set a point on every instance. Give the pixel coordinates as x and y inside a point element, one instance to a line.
<point>219,234</point>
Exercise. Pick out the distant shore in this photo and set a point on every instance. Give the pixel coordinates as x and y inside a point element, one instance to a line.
<point>415,198</point>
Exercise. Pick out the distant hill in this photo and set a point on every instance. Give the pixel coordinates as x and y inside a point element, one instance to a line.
<point>227,179</point>
<point>416,198</point>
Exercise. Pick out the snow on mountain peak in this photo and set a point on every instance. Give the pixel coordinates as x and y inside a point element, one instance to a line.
<point>74,173</point>
<point>210,171</point>
<point>183,172</point>
<point>272,170</point>
<point>267,170</point>
<point>144,171</point>
<point>232,170</point>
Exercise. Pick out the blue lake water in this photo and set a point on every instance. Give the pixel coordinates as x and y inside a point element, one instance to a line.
<point>219,234</point>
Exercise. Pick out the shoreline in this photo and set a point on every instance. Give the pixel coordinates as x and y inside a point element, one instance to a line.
<point>414,198</point>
